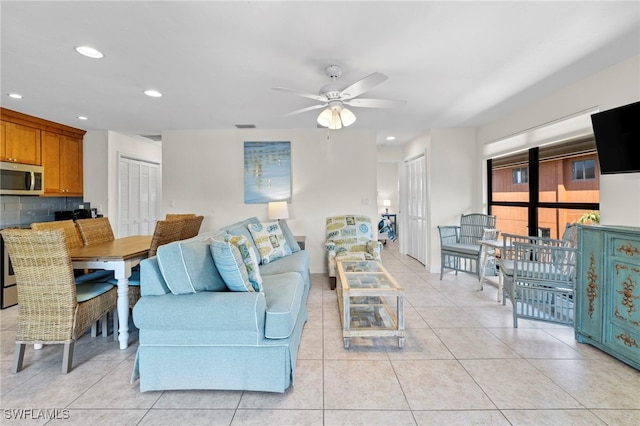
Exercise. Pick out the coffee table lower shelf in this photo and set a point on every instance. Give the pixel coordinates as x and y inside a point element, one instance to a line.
<point>366,292</point>
<point>369,316</point>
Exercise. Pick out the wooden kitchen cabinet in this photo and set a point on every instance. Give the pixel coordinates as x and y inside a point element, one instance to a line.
<point>58,148</point>
<point>20,143</point>
<point>62,161</point>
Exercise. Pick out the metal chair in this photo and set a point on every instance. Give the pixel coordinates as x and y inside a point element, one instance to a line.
<point>52,308</point>
<point>508,255</point>
<point>543,283</point>
<point>459,247</point>
<point>95,231</point>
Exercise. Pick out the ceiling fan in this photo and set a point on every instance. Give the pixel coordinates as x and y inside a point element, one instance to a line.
<point>334,99</point>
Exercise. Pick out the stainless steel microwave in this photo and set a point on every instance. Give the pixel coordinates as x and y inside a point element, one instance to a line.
<point>21,179</point>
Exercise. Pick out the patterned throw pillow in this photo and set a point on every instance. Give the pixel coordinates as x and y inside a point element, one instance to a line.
<point>230,265</point>
<point>249,258</point>
<point>270,241</point>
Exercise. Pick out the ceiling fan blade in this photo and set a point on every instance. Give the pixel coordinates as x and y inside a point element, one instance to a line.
<point>361,86</point>
<point>311,108</point>
<point>375,103</point>
<point>303,94</point>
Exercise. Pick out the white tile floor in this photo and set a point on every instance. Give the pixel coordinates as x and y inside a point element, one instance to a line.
<point>463,363</point>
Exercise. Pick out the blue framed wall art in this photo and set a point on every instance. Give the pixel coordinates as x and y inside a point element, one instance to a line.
<point>267,172</point>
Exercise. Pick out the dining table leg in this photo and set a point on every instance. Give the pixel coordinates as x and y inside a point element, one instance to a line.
<point>122,273</point>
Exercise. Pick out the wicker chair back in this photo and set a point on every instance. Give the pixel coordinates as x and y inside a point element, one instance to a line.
<point>95,231</point>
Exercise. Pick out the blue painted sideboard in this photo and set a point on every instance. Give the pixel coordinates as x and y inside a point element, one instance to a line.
<point>608,290</point>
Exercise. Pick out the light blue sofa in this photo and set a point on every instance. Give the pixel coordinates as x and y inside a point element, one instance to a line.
<point>216,338</point>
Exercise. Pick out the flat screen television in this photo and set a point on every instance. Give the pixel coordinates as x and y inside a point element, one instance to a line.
<point>617,134</point>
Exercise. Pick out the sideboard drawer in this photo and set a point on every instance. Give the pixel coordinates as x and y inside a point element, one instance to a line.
<point>625,247</point>
<point>624,341</point>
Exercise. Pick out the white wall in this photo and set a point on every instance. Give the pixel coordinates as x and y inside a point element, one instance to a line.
<point>95,147</point>
<point>452,187</point>
<point>389,165</point>
<point>613,87</point>
<point>387,186</point>
<point>100,156</point>
<point>203,174</point>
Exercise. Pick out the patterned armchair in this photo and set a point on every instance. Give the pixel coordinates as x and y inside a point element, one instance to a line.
<point>350,237</point>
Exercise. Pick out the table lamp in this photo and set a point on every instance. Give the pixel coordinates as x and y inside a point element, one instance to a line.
<point>278,210</point>
<point>387,204</point>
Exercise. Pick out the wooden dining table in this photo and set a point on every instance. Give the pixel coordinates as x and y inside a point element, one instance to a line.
<point>119,256</point>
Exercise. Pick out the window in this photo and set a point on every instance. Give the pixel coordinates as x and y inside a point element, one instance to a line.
<point>561,184</point>
<point>520,175</point>
<point>583,169</point>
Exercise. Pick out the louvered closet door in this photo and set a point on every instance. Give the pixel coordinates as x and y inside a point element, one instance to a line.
<point>138,197</point>
<point>416,234</point>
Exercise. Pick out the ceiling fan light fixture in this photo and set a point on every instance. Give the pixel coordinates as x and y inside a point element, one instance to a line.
<point>330,118</point>
<point>336,122</point>
<point>336,116</point>
<point>347,117</point>
<point>324,119</point>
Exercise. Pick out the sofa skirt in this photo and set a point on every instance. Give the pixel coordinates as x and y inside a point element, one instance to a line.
<point>268,368</point>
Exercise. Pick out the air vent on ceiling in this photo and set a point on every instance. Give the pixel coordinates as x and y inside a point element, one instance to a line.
<point>246,126</point>
<point>157,138</point>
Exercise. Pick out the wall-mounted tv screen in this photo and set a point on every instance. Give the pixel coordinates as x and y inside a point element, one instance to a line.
<point>617,134</point>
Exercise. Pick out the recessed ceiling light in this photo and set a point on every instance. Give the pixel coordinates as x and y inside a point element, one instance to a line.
<point>89,52</point>
<point>82,117</point>
<point>15,95</point>
<point>391,138</point>
<point>153,93</point>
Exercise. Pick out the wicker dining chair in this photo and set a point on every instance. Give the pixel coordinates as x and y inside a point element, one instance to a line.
<point>165,232</point>
<point>73,240</point>
<point>191,227</point>
<point>71,232</point>
<point>179,216</point>
<point>52,309</point>
<point>95,231</point>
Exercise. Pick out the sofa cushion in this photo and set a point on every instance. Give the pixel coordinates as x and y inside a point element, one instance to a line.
<point>270,241</point>
<point>230,265</point>
<point>204,318</point>
<point>296,262</point>
<point>288,235</point>
<point>241,228</point>
<point>245,247</point>
<point>353,255</point>
<point>283,295</point>
<point>188,267</point>
<point>151,281</point>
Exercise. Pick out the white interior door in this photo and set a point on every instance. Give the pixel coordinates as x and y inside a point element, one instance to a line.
<point>416,218</point>
<point>138,197</point>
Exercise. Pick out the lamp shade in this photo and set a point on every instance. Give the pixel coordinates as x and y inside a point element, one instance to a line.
<point>347,117</point>
<point>386,203</point>
<point>278,210</point>
<point>336,116</point>
<point>327,119</point>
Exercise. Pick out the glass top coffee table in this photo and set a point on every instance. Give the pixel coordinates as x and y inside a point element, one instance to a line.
<point>366,294</point>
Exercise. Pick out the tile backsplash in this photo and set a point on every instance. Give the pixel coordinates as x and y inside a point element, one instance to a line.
<point>16,210</point>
